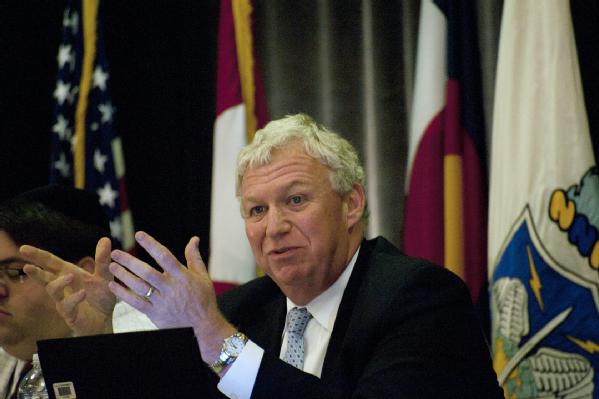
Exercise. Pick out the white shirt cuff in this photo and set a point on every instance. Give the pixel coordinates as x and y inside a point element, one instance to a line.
<point>239,380</point>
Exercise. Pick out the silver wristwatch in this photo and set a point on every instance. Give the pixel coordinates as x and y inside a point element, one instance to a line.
<point>232,347</point>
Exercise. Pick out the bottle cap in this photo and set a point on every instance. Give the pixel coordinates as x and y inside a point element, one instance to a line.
<point>35,360</point>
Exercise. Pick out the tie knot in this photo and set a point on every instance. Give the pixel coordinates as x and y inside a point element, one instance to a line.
<point>297,320</point>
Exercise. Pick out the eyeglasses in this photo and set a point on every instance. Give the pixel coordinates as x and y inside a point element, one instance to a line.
<point>13,272</point>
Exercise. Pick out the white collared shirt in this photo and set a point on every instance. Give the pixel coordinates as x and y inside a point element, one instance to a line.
<point>10,370</point>
<point>239,380</point>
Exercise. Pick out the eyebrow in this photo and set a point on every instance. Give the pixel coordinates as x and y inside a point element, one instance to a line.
<point>298,182</point>
<point>301,183</point>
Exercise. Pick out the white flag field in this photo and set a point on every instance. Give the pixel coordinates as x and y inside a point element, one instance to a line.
<point>543,211</point>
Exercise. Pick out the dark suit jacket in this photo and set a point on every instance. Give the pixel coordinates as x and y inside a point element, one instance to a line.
<point>405,329</point>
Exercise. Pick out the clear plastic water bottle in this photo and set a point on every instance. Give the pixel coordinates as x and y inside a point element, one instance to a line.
<point>33,385</point>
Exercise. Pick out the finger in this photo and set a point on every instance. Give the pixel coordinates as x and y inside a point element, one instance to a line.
<point>70,305</point>
<point>159,253</point>
<point>103,249</point>
<point>38,275</point>
<point>133,282</point>
<point>45,259</point>
<point>56,288</point>
<point>129,297</point>
<point>193,256</point>
<point>137,267</point>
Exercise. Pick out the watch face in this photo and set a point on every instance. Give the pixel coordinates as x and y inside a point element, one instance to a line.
<point>235,345</point>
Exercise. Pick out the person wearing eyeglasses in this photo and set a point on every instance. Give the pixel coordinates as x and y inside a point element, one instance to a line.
<point>69,223</point>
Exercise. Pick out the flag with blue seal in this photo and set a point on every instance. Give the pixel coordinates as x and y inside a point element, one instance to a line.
<point>543,211</point>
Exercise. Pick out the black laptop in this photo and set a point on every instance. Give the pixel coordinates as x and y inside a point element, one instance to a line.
<point>148,364</point>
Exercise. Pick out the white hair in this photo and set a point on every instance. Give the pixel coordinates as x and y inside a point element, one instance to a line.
<point>320,143</point>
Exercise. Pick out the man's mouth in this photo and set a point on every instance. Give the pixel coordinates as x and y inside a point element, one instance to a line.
<point>282,250</point>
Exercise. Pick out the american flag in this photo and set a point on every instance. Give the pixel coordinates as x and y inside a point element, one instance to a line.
<point>86,151</point>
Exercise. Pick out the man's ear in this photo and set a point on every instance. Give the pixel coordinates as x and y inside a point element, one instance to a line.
<point>87,263</point>
<point>356,204</point>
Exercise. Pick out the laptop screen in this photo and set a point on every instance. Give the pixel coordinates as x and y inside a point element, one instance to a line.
<point>149,364</point>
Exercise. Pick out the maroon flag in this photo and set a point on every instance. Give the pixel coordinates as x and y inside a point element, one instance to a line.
<point>446,205</point>
<point>241,109</point>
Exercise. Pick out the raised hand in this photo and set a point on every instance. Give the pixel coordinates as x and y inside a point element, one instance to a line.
<point>82,298</point>
<point>179,296</point>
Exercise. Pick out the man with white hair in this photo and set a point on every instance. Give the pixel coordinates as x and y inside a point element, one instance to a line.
<point>336,315</point>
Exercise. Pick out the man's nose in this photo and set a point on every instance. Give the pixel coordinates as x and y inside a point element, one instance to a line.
<point>3,289</point>
<point>277,223</point>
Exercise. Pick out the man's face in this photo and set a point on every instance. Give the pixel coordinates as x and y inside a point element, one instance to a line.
<point>27,313</point>
<point>296,224</point>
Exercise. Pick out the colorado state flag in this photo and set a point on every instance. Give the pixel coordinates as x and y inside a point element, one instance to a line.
<point>544,211</point>
<point>446,205</point>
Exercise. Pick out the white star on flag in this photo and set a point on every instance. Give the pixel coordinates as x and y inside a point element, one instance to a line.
<point>62,91</point>
<point>61,128</point>
<point>107,195</point>
<point>107,110</point>
<point>99,161</point>
<point>62,165</point>
<point>100,78</point>
<point>84,117</point>
<point>116,229</point>
<point>72,22</point>
<point>65,54</point>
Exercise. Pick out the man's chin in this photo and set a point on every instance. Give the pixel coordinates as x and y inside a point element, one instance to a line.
<point>289,276</point>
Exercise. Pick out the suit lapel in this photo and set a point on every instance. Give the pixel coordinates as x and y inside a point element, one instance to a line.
<point>346,310</point>
<point>267,330</point>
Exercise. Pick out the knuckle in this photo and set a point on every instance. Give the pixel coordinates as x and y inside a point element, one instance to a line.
<point>163,258</point>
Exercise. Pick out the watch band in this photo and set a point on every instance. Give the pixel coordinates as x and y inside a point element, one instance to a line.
<point>232,347</point>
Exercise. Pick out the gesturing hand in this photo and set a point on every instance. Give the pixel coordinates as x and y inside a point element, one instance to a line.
<point>82,298</point>
<point>177,297</point>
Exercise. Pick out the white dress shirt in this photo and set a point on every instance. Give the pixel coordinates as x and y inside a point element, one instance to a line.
<point>10,370</point>
<point>239,380</point>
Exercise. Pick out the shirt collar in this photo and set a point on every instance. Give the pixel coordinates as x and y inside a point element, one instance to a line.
<point>324,307</point>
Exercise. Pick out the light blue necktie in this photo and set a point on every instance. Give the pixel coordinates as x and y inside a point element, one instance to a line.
<point>297,320</point>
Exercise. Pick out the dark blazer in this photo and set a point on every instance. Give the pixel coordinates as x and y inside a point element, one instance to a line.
<point>405,329</point>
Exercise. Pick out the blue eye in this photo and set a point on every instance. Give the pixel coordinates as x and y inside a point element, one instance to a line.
<point>296,199</point>
<point>257,210</point>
